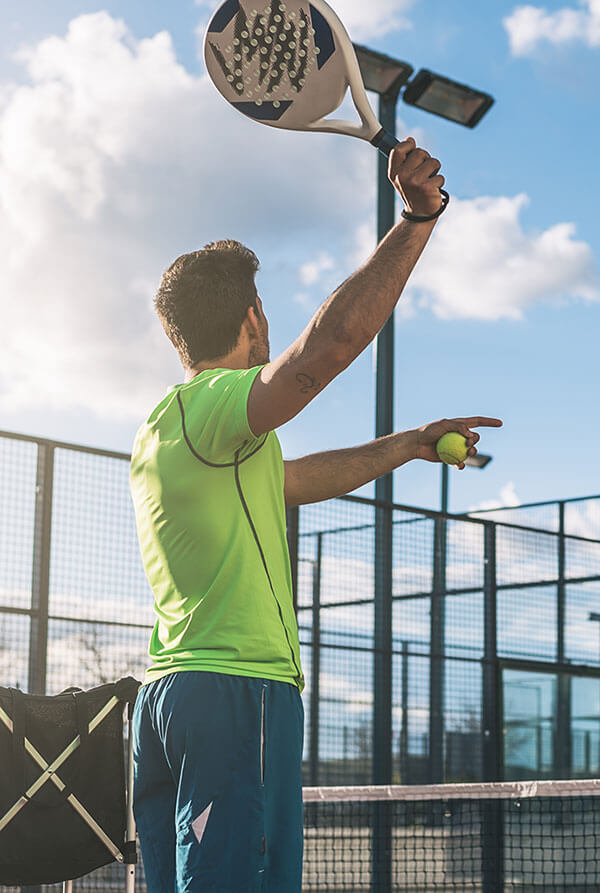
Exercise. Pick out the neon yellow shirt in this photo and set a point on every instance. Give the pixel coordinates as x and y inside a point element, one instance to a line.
<point>210,514</point>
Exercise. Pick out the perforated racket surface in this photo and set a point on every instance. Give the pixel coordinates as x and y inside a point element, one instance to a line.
<point>288,64</point>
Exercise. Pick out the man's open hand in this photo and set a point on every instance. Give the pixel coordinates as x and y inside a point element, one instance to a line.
<point>415,175</point>
<point>428,435</point>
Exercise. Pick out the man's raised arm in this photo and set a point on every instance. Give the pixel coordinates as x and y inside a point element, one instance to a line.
<point>349,320</point>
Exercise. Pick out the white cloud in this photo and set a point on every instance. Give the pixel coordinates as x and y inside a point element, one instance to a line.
<point>374,19</point>
<point>508,508</point>
<point>508,497</point>
<point>583,518</point>
<point>113,160</point>
<point>311,271</point>
<point>481,264</point>
<point>530,26</point>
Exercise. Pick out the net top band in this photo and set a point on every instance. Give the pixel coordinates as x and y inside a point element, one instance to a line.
<point>511,790</point>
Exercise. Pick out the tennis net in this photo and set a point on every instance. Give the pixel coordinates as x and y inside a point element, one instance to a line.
<point>496,837</point>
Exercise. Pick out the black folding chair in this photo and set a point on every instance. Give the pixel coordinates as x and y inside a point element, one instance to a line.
<point>66,784</point>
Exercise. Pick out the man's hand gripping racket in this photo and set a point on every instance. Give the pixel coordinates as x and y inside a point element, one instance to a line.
<point>288,64</point>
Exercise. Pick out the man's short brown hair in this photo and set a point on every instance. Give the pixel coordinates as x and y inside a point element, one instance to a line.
<point>203,299</point>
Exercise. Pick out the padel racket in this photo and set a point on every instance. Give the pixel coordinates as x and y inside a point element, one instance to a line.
<point>289,64</point>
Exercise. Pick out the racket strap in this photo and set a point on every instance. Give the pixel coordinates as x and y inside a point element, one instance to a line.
<point>415,217</point>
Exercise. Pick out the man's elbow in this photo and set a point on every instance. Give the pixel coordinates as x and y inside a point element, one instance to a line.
<point>348,344</point>
<point>339,352</point>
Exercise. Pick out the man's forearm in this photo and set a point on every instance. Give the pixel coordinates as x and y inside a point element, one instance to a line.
<point>354,314</point>
<point>334,473</point>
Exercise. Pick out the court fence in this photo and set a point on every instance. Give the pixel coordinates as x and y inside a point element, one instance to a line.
<point>437,648</point>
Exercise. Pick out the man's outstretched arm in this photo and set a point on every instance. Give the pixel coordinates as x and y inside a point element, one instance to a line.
<point>353,315</point>
<point>326,475</point>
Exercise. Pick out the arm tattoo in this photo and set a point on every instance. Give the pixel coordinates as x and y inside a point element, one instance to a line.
<point>307,383</point>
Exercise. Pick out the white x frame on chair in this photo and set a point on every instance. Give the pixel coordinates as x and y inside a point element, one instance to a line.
<point>49,773</point>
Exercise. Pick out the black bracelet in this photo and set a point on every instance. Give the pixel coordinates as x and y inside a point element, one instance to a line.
<point>416,219</point>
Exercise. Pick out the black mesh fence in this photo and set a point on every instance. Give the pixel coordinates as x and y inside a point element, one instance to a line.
<point>435,648</point>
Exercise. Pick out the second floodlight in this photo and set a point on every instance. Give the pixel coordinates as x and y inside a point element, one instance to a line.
<point>449,99</point>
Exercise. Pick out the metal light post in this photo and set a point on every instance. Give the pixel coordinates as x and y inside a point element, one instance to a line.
<point>387,76</point>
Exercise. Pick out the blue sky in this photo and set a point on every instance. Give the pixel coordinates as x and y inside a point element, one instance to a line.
<point>116,155</point>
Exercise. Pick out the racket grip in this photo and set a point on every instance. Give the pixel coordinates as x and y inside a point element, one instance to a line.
<point>384,141</point>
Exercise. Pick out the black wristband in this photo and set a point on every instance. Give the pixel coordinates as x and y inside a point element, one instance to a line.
<point>416,219</point>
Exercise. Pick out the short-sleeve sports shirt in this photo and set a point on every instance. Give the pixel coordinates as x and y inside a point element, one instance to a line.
<point>210,514</point>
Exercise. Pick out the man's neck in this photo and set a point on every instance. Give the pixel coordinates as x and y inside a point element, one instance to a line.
<point>233,360</point>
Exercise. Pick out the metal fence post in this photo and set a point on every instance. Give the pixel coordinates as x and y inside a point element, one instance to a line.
<point>403,754</point>
<point>382,701</point>
<point>562,737</point>
<point>436,657</point>
<point>492,827</point>
<point>316,665</point>
<point>40,580</point>
<point>492,726</point>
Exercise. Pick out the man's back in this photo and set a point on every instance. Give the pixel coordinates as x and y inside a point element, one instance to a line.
<point>210,512</point>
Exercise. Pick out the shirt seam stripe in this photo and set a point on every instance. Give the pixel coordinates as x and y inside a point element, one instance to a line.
<point>200,458</point>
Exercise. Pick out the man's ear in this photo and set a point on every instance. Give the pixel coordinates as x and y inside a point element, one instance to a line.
<point>252,323</point>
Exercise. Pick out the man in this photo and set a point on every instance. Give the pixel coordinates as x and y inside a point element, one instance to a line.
<point>219,722</point>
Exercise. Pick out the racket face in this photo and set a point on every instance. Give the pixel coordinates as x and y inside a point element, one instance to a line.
<point>277,61</point>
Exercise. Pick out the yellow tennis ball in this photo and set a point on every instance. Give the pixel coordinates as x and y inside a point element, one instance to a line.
<point>452,448</point>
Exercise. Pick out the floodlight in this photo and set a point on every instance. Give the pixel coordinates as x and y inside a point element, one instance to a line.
<point>449,99</point>
<point>381,73</point>
<point>480,460</point>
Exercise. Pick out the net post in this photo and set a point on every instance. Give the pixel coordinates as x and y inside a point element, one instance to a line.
<point>492,818</point>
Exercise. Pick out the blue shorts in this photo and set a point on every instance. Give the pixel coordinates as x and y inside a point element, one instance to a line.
<point>218,784</point>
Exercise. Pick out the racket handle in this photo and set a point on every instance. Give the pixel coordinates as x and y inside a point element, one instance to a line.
<point>384,141</point>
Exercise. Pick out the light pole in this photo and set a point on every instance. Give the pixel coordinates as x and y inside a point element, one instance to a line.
<point>387,76</point>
